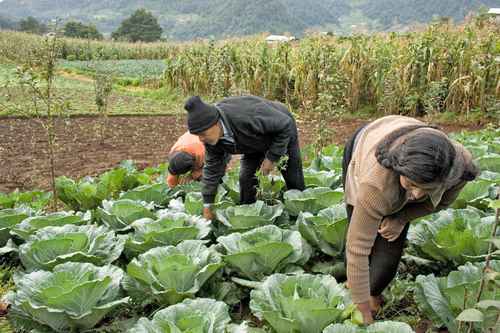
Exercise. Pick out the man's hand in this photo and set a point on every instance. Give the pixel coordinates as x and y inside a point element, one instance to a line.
<point>208,214</point>
<point>366,311</point>
<point>266,167</point>
<point>391,228</point>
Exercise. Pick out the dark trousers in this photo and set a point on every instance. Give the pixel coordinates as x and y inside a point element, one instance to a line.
<point>385,256</point>
<point>293,174</point>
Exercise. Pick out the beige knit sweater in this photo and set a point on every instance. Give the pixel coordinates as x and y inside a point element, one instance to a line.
<point>375,192</point>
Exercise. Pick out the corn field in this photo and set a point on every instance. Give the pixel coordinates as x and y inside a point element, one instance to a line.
<point>445,68</point>
<point>15,45</point>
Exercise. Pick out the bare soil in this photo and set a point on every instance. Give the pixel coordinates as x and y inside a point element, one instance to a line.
<point>144,139</point>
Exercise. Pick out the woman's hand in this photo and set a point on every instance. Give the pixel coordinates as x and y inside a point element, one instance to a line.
<point>208,214</point>
<point>366,311</point>
<point>391,228</point>
<point>376,303</point>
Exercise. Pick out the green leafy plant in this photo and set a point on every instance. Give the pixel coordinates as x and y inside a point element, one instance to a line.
<point>119,214</point>
<point>193,201</point>
<point>88,193</point>
<point>201,315</point>
<point>159,194</point>
<point>330,159</point>
<point>474,194</point>
<point>32,224</point>
<point>263,251</point>
<point>245,217</point>
<point>452,236</point>
<point>81,195</point>
<point>9,219</point>
<point>270,189</point>
<point>490,162</point>
<point>244,327</point>
<point>184,189</point>
<point>301,303</point>
<point>37,200</point>
<point>170,228</point>
<point>322,178</point>
<point>74,297</point>
<point>271,186</point>
<point>52,246</point>
<point>327,230</point>
<point>231,182</point>
<point>485,314</point>
<point>311,200</point>
<point>443,299</point>
<point>168,275</point>
<point>379,327</point>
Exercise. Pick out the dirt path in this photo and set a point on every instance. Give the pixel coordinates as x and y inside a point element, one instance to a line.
<point>75,76</point>
<point>88,79</point>
<point>144,139</point>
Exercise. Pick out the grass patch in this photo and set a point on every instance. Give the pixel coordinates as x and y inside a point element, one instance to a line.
<point>6,73</point>
<point>78,91</point>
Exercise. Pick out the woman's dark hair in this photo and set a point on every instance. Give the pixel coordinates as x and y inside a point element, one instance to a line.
<point>422,157</point>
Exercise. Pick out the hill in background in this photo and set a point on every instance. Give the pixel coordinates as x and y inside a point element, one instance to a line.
<point>189,19</point>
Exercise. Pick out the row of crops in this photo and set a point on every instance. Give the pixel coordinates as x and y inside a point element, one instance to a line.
<point>437,70</point>
<point>127,248</point>
<point>125,72</point>
<point>16,45</point>
<point>441,69</point>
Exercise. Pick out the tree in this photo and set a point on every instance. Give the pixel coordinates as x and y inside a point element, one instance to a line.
<point>34,81</point>
<point>79,30</point>
<point>31,25</point>
<point>103,87</point>
<point>140,26</point>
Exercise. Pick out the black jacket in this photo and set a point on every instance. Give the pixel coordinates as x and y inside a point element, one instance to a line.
<point>257,125</point>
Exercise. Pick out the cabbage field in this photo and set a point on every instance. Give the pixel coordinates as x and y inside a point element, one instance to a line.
<point>128,254</point>
<point>126,72</point>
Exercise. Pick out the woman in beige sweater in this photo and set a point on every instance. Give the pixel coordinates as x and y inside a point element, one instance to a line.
<point>396,169</point>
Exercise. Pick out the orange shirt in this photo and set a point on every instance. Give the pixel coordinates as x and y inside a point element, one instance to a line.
<point>192,145</point>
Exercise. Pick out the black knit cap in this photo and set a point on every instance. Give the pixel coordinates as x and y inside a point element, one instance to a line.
<point>180,163</point>
<point>201,116</point>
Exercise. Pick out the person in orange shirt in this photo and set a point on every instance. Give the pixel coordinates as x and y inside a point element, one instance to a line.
<point>187,155</point>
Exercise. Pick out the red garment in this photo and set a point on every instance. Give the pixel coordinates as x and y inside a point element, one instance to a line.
<point>192,145</point>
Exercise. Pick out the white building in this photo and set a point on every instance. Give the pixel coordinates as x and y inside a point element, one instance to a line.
<point>494,11</point>
<point>495,14</point>
<point>279,39</point>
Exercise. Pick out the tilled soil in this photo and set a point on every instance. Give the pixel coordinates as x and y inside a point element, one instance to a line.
<point>79,152</point>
